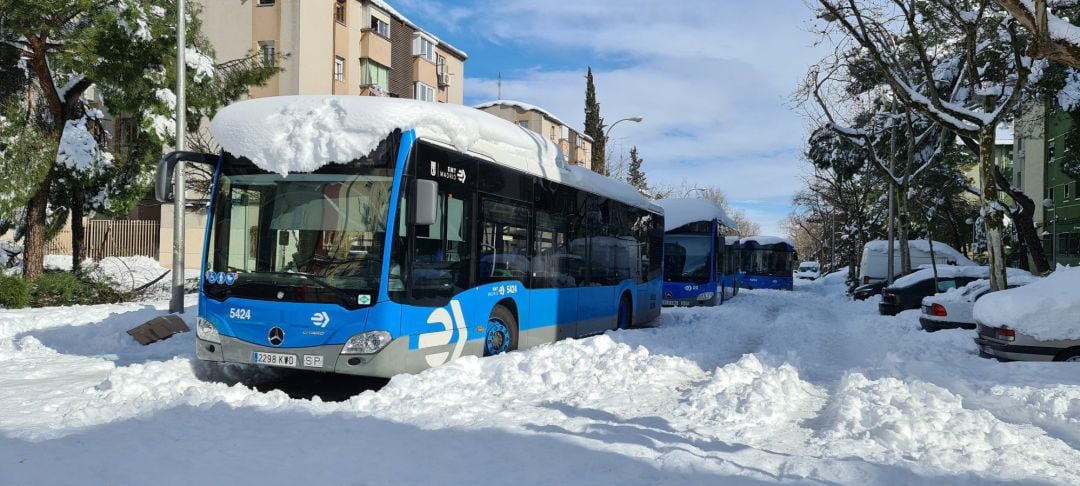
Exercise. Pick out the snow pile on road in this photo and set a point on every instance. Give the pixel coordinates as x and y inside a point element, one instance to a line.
<point>774,386</point>
<point>1047,310</point>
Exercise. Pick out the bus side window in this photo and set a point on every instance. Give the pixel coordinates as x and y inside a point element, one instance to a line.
<point>504,242</point>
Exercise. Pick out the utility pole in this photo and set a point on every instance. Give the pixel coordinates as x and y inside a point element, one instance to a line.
<point>176,303</point>
<point>892,203</point>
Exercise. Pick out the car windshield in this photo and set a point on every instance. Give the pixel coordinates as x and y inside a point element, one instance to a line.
<point>321,232</point>
<point>686,258</point>
<point>808,268</point>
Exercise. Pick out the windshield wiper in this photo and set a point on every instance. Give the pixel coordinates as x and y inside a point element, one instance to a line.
<point>318,280</point>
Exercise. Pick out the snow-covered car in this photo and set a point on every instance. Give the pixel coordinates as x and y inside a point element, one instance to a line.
<point>808,271</point>
<point>1035,322</point>
<point>907,292</point>
<point>953,309</point>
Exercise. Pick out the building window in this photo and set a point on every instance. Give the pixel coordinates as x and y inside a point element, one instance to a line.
<point>339,68</point>
<point>374,75</point>
<point>380,26</point>
<point>424,92</point>
<point>339,11</point>
<point>523,124</point>
<point>266,3</point>
<point>424,47</point>
<point>1050,194</point>
<point>269,51</point>
<point>1065,196</point>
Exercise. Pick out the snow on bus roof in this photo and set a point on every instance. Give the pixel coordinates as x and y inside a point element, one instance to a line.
<point>286,134</point>
<point>767,240</point>
<point>683,211</point>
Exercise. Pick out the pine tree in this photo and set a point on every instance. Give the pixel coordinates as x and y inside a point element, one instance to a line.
<point>635,176</point>
<point>594,125</point>
<point>127,51</point>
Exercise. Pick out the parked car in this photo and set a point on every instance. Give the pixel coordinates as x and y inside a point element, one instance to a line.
<point>874,266</point>
<point>865,291</point>
<point>1036,322</point>
<point>808,271</point>
<point>907,292</point>
<point>954,308</point>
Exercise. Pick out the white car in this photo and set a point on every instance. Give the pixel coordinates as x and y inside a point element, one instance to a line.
<point>953,309</point>
<point>1036,322</point>
<point>808,271</point>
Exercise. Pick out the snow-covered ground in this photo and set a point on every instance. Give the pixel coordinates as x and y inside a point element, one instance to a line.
<point>773,386</point>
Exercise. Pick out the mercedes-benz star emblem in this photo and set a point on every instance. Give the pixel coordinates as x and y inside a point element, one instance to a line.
<point>276,336</point>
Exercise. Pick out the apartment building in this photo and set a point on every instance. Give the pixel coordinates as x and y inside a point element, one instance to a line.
<point>342,47</point>
<point>1061,217</point>
<point>575,145</point>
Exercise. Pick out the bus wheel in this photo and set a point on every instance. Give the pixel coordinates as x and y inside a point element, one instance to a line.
<point>501,332</point>
<point>624,314</point>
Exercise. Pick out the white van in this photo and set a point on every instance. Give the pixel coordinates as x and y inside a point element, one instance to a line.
<point>874,266</point>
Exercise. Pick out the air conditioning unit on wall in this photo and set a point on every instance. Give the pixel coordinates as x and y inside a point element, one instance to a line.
<point>444,80</point>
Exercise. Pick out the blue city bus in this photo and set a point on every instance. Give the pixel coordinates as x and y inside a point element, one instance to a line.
<point>416,253</point>
<point>699,269</point>
<point>768,263</point>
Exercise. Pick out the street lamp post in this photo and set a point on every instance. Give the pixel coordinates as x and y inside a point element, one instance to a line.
<point>176,303</point>
<point>635,119</point>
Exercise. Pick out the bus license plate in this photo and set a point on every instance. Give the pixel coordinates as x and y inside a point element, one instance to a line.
<point>274,359</point>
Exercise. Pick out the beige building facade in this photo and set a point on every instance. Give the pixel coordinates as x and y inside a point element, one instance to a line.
<point>345,47</point>
<point>341,47</point>
<point>575,145</point>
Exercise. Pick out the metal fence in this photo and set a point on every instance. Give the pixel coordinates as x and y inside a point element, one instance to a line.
<point>107,238</point>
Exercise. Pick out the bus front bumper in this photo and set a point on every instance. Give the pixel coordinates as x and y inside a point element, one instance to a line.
<point>386,363</point>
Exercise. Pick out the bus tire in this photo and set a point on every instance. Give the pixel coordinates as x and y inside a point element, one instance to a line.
<point>624,315</point>
<point>502,332</point>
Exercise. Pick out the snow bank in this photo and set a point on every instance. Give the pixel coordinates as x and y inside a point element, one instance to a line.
<point>680,212</point>
<point>1047,310</point>
<point>941,250</point>
<point>894,420</point>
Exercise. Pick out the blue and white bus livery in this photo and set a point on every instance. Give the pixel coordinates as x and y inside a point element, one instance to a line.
<point>375,236</point>
<point>697,266</point>
<point>768,263</point>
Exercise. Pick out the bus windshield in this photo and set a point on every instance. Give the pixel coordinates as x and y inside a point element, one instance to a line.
<point>313,237</point>
<point>686,258</point>
<point>767,261</point>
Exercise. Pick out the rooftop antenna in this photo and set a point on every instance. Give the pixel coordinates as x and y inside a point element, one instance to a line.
<point>499,84</point>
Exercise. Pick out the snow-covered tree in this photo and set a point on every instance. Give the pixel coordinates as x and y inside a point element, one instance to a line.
<point>959,63</point>
<point>126,51</point>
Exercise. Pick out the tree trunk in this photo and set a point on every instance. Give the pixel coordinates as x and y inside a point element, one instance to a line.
<point>34,240</point>
<point>78,231</point>
<point>902,226</point>
<point>991,209</point>
<point>1024,221</point>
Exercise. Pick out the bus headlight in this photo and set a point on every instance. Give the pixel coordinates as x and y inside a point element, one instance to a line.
<point>367,342</point>
<point>206,331</point>
<point>705,296</point>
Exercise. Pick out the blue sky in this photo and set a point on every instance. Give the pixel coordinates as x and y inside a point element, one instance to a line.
<point>712,78</point>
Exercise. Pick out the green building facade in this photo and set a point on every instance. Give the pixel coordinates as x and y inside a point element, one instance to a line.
<point>1061,209</point>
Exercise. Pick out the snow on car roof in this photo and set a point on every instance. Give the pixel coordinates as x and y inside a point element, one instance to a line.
<point>286,134</point>
<point>767,240</point>
<point>683,211</point>
<point>940,249</point>
<point>952,271</point>
<point>1048,309</point>
<point>973,290</point>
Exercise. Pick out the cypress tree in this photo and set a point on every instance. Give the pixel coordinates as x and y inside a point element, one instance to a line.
<point>594,125</point>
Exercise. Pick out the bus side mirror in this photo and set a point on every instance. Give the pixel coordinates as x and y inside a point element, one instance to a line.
<point>427,199</point>
<point>163,188</point>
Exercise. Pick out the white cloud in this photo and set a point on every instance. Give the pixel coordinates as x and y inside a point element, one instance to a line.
<point>711,78</point>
